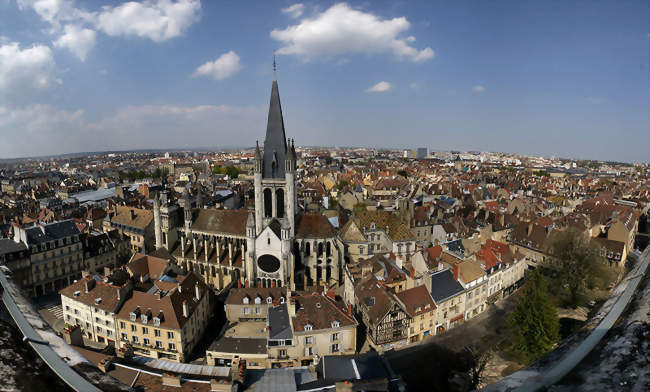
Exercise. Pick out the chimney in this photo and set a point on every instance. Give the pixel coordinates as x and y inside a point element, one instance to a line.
<point>246,283</point>
<point>119,295</point>
<point>350,309</point>
<point>132,214</point>
<point>239,284</point>
<point>186,309</point>
<point>412,271</point>
<point>89,283</point>
<point>197,291</point>
<point>456,271</point>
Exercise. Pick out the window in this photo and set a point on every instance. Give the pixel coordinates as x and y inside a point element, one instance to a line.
<point>282,353</point>
<point>146,341</point>
<point>134,338</point>
<point>172,346</point>
<point>335,324</point>
<point>335,348</point>
<point>124,336</point>
<point>258,300</point>
<point>159,344</point>
<point>156,333</point>
<point>335,336</point>
<point>308,327</point>
<point>245,301</point>
<point>258,310</point>
<point>145,330</point>
<point>309,340</point>
<point>133,328</point>
<point>170,335</point>
<point>269,300</point>
<point>309,351</point>
<point>246,310</point>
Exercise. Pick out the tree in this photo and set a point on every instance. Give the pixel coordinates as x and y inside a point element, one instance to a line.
<point>576,263</point>
<point>360,206</point>
<point>534,320</point>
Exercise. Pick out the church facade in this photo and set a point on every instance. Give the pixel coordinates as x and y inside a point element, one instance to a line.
<point>273,246</point>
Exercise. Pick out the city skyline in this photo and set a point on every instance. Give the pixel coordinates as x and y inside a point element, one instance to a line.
<point>567,80</point>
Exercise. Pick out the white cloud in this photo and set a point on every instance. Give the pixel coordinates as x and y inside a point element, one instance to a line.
<point>40,129</point>
<point>341,30</point>
<point>76,39</point>
<point>55,12</point>
<point>479,89</point>
<point>379,87</point>
<point>29,68</point>
<point>294,10</point>
<point>157,21</point>
<point>226,65</point>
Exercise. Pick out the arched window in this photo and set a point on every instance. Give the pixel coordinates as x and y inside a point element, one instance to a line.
<point>279,201</point>
<point>328,249</point>
<point>307,249</point>
<point>268,203</point>
<point>320,249</point>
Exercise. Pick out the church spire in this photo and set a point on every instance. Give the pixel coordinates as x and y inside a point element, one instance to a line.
<point>275,144</point>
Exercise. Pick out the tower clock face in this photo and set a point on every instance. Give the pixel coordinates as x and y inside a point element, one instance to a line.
<point>268,263</point>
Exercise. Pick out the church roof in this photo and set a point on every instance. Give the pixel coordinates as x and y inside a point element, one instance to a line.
<point>275,144</point>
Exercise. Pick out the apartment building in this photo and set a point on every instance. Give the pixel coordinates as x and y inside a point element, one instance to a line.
<point>92,303</point>
<point>422,312</point>
<point>167,321</point>
<point>252,303</point>
<point>136,223</point>
<point>56,254</point>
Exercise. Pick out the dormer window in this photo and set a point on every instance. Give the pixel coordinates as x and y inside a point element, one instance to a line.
<point>335,324</point>
<point>132,316</point>
<point>156,321</point>
<point>269,300</point>
<point>258,300</point>
<point>308,327</point>
<point>245,301</point>
<point>281,300</point>
<point>372,225</point>
<point>144,318</point>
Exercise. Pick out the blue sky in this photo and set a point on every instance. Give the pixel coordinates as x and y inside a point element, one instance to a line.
<point>563,78</point>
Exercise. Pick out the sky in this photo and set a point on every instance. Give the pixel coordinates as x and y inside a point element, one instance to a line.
<point>552,78</point>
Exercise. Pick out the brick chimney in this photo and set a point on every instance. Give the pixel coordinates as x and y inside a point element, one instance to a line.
<point>456,271</point>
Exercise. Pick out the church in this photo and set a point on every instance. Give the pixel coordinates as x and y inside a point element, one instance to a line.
<point>276,245</point>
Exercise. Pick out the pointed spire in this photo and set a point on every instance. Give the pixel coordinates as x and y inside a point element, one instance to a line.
<point>275,143</point>
<point>275,75</point>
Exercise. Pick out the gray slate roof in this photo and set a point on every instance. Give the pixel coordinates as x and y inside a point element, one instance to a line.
<point>10,246</point>
<point>51,232</point>
<point>279,325</point>
<point>444,286</point>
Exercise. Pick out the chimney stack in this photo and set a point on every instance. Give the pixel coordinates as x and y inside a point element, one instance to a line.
<point>456,271</point>
<point>186,309</point>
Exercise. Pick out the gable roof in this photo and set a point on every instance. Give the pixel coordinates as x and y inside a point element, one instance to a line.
<point>232,222</point>
<point>444,286</point>
<point>314,226</point>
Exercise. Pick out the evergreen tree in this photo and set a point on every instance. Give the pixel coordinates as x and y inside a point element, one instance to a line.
<point>534,320</point>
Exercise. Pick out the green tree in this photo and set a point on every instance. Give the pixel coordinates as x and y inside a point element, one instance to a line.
<point>534,321</point>
<point>576,263</point>
<point>341,184</point>
<point>359,207</point>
